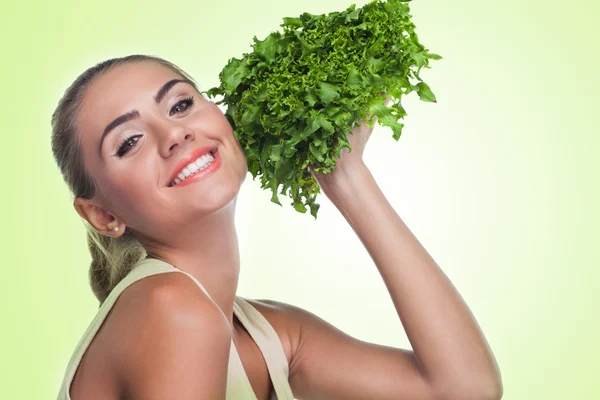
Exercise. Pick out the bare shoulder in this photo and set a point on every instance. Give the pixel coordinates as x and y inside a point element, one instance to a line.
<point>168,295</point>
<point>167,329</point>
<point>174,292</point>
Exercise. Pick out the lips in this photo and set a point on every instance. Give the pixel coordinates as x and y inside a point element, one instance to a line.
<point>193,156</point>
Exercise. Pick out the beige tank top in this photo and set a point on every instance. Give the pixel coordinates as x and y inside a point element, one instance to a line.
<point>238,384</point>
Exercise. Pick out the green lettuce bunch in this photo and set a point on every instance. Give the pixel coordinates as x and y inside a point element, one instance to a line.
<point>294,99</point>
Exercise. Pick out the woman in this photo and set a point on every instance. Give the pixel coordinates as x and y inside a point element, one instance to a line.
<point>124,136</point>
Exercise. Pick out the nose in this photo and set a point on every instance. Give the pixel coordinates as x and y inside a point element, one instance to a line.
<point>174,138</point>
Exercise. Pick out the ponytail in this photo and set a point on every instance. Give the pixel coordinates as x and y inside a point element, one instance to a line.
<point>112,259</point>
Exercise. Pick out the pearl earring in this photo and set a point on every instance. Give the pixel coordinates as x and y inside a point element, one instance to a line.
<point>116,229</point>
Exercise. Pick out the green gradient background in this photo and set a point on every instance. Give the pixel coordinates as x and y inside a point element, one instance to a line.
<point>498,180</point>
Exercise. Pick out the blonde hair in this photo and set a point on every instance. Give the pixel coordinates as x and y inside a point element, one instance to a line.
<point>112,258</point>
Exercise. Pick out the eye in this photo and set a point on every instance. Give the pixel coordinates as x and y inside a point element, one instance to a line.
<point>125,147</point>
<point>129,142</point>
<point>177,107</point>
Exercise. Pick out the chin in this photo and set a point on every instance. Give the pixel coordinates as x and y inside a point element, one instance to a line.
<point>220,196</point>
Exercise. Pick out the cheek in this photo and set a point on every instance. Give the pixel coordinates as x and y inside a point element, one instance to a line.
<point>131,189</point>
<point>219,122</point>
<point>140,209</point>
<point>136,177</point>
<point>224,133</point>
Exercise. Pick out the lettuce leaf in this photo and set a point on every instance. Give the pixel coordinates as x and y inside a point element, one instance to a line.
<point>294,99</point>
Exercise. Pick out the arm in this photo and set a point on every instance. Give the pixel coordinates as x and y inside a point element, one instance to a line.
<point>180,346</point>
<point>327,363</point>
<point>451,359</point>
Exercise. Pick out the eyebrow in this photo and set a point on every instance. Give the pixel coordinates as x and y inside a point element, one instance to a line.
<point>133,114</point>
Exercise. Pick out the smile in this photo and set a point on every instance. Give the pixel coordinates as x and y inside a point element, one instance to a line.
<point>198,169</point>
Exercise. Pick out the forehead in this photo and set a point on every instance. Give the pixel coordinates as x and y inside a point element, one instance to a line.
<point>121,87</point>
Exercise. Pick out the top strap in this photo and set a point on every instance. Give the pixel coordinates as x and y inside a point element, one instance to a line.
<point>269,343</point>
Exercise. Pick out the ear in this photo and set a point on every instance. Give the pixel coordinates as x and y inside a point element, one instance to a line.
<point>102,220</point>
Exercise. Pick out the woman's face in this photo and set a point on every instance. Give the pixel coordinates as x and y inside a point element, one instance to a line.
<point>132,163</point>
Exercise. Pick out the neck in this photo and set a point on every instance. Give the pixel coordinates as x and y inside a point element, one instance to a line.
<point>209,252</point>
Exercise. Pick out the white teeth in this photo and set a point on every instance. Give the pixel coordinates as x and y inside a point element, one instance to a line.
<point>199,164</point>
<point>193,167</point>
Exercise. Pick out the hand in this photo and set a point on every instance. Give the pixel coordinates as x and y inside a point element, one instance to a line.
<point>349,159</point>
